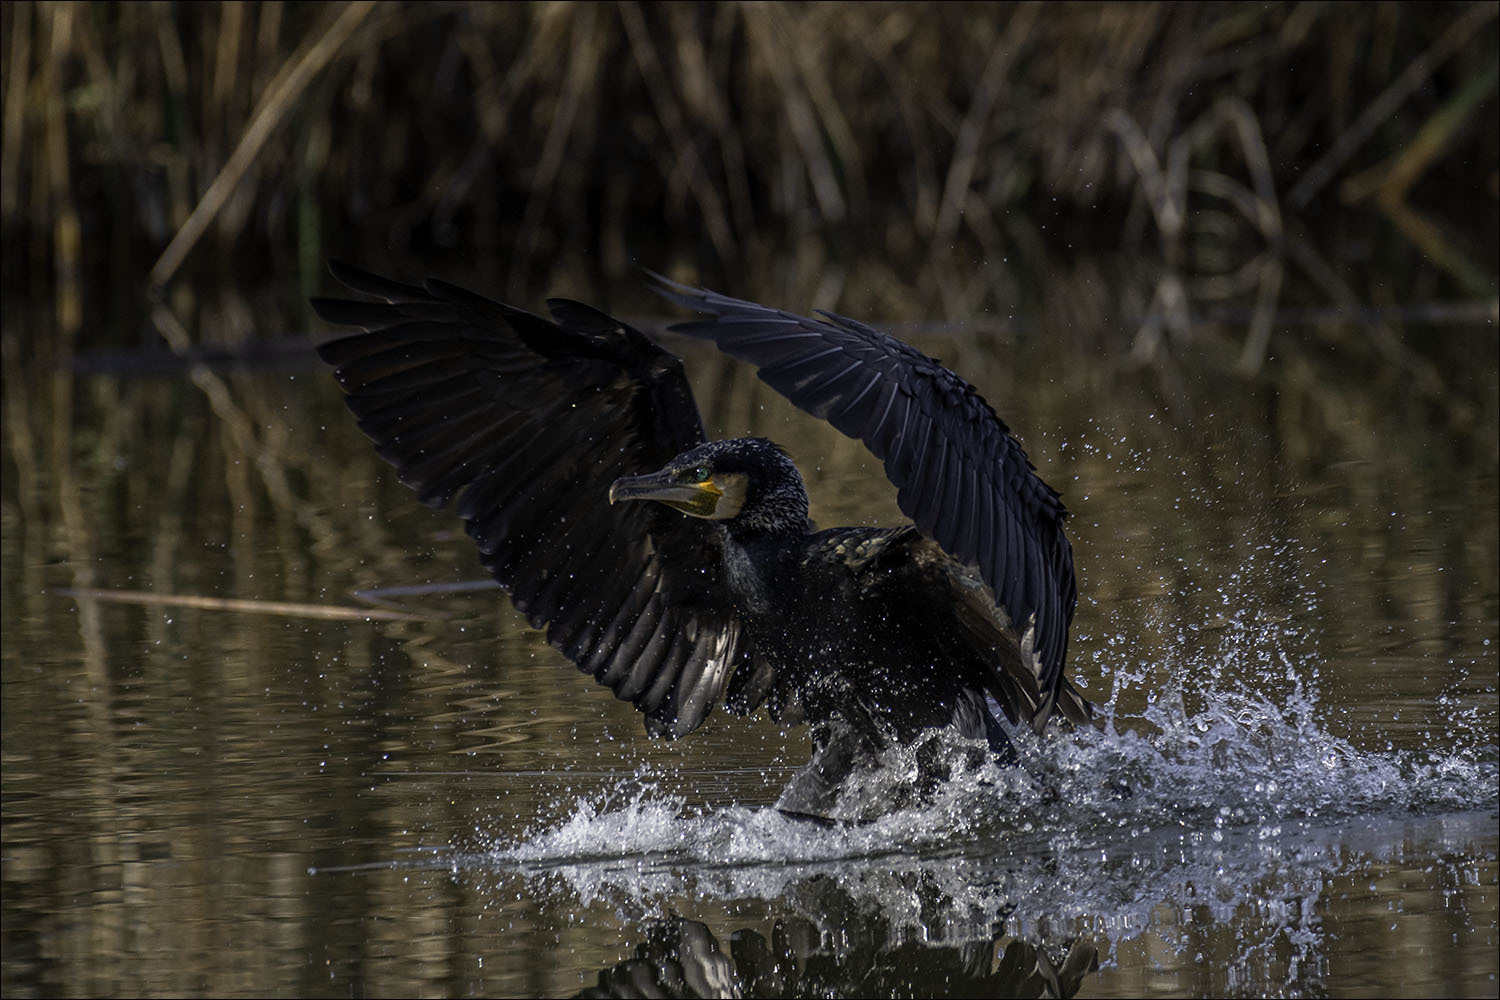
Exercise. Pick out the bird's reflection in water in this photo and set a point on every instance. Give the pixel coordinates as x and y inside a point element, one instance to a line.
<point>683,958</point>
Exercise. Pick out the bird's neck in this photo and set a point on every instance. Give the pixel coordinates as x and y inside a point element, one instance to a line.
<point>752,564</point>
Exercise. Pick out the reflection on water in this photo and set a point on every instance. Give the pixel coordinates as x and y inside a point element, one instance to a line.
<point>682,958</point>
<point>1173,827</point>
<point>1289,609</point>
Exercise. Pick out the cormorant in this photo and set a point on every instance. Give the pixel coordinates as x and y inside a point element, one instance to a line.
<point>546,433</point>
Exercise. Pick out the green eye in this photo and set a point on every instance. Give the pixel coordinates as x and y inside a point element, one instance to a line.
<point>700,474</point>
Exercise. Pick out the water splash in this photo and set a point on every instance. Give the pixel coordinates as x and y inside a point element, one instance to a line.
<point>1221,791</point>
<point>1208,752</point>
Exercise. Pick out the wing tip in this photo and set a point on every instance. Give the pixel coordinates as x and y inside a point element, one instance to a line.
<point>687,296</point>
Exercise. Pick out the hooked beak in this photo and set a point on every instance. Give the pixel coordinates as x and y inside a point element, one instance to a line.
<point>697,499</point>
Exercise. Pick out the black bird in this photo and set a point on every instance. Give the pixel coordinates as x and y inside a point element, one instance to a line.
<point>544,434</point>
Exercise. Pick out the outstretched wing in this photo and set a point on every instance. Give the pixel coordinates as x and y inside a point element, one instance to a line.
<point>522,423</point>
<point>959,473</point>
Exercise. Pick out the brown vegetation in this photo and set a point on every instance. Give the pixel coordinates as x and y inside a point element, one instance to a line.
<point>894,159</point>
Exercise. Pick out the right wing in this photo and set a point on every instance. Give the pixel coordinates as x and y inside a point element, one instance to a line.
<point>522,423</point>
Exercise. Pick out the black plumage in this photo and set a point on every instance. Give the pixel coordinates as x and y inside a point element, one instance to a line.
<point>545,435</point>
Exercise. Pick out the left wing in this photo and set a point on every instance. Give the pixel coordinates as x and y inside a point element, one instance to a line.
<point>959,473</point>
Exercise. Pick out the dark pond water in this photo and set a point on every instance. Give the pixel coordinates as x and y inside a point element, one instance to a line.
<point>1289,614</point>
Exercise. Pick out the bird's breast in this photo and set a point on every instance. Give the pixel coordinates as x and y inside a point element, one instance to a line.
<point>749,580</point>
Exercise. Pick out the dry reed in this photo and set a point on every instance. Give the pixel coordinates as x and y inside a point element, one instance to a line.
<point>891,158</point>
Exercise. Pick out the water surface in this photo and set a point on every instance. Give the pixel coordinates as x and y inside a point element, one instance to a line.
<point>1288,617</point>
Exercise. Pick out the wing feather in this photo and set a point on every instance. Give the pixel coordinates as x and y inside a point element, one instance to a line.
<point>959,473</point>
<point>522,423</point>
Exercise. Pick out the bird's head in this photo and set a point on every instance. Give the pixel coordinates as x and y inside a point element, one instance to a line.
<point>748,483</point>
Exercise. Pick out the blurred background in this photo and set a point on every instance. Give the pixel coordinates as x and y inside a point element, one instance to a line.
<point>1230,270</point>
<point>1331,166</point>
